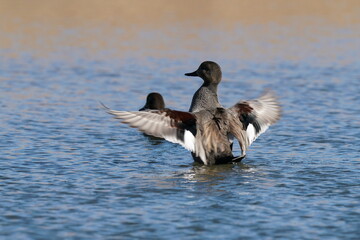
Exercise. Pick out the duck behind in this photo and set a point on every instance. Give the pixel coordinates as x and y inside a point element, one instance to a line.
<point>154,101</point>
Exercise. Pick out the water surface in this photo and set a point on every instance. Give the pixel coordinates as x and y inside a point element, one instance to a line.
<point>67,170</point>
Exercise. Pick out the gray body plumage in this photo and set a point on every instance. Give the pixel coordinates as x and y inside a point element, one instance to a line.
<point>204,98</point>
<point>214,127</point>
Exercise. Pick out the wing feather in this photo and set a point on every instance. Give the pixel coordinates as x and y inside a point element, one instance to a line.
<point>168,124</point>
<point>257,115</point>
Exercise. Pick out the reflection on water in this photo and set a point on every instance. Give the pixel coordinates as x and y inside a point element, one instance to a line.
<point>67,170</point>
<point>201,173</point>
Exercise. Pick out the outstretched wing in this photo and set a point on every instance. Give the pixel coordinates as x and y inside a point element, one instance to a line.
<point>174,126</point>
<point>257,115</point>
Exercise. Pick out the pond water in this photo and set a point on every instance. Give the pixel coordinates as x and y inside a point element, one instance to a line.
<point>68,170</point>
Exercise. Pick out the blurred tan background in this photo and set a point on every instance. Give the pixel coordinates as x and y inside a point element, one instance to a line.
<point>158,27</point>
<point>155,13</point>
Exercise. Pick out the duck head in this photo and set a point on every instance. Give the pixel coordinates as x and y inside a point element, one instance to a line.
<point>154,100</point>
<point>209,71</point>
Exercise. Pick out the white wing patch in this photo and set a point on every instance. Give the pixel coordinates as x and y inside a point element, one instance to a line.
<point>250,133</point>
<point>189,141</point>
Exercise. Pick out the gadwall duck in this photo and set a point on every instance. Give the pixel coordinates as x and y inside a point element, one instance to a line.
<point>208,129</point>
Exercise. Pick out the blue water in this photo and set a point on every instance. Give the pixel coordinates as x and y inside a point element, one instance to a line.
<point>70,171</point>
